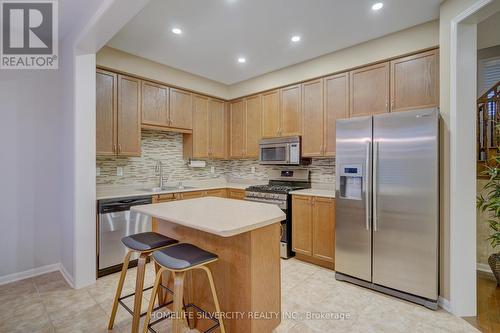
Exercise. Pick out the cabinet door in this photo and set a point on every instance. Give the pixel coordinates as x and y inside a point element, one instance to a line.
<point>129,116</point>
<point>217,129</point>
<point>154,104</point>
<point>106,108</point>
<point>312,113</point>
<point>221,193</point>
<point>415,82</point>
<point>370,90</point>
<point>291,115</point>
<point>200,127</point>
<point>191,195</point>
<point>336,107</point>
<point>236,194</point>
<point>270,114</point>
<point>181,115</point>
<point>302,224</point>
<point>254,126</point>
<point>323,228</point>
<point>237,129</point>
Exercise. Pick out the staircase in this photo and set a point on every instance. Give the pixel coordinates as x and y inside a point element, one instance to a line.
<point>488,135</point>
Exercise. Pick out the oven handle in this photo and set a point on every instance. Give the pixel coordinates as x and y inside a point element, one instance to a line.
<point>266,201</point>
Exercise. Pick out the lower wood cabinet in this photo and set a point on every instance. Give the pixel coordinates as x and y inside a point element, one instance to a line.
<point>221,193</point>
<point>233,193</point>
<point>313,229</point>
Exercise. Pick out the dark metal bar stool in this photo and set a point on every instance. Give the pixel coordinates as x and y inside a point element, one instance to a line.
<point>144,244</point>
<point>178,260</point>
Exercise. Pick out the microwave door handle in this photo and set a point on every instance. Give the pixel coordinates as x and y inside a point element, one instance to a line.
<point>287,153</point>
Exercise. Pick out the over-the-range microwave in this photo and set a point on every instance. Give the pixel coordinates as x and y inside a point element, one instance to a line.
<point>281,151</point>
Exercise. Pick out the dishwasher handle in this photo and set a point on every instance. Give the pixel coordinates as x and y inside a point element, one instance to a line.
<point>119,205</point>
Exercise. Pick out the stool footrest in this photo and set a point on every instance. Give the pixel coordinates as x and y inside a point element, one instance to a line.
<point>120,301</point>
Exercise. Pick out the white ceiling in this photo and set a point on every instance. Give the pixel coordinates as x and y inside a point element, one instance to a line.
<point>217,32</point>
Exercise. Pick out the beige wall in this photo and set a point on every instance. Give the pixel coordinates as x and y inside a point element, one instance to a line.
<point>406,41</point>
<point>487,32</point>
<point>126,62</point>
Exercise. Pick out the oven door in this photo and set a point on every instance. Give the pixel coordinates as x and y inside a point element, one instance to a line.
<point>275,153</point>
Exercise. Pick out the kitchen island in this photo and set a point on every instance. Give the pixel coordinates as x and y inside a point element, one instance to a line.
<point>246,237</point>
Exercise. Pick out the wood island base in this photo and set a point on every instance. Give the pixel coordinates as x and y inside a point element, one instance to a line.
<point>247,277</point>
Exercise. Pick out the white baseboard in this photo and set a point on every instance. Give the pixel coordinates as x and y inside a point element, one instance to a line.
<point>484,268</point>
<point>68,277</point>
<point>444,304</point>
<point>29,273</point>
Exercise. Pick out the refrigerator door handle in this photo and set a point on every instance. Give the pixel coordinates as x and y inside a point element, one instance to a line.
<point>375,185</point>
<point>368,210</point>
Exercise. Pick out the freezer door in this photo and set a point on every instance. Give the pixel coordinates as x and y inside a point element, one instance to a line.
<point>405,202</point>
<point>353,189</point>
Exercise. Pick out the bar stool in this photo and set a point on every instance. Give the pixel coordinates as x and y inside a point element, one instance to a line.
<point>178,260</point>
<point>144,244</point>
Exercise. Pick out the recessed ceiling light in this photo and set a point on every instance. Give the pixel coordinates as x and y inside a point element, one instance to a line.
<point>295,39</point>
<point>242,60</point>
<point>377,6</point>
<point>177,31</point>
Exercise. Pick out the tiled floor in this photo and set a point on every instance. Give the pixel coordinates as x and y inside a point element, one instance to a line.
<point>47,304</point>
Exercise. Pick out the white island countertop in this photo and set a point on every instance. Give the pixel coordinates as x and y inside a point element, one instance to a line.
<point>218,216</point>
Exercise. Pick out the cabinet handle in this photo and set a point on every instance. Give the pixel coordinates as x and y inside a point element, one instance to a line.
<point>386,106</point>
<point>392,103</point>
<point>114,147</point>
<point>119,148</point>
<point>321,149</point>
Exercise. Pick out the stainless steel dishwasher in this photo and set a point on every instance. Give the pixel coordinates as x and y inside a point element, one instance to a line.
<point>114,222</point>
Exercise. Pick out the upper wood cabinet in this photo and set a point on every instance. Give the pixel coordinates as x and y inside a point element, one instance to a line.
<point>290,109</point>
<point>181,115</point>
<point>106,110</point>
<point>253,126</point>
<point>271,120</point>
<point>245,127</point>
<point>369,90</point>
<point>237,131</point>
<point>118,114</point>
<point>336,103</point>
<point>155,104</point>
<point>200,136</point>
<point>313,119</point>
<point>415,81</point>
<point>217,129</point>
<point>129,116</point>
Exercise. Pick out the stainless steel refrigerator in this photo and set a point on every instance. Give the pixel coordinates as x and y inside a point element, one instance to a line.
<point>387,204</point>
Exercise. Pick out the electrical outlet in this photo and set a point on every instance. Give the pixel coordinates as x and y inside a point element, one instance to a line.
<point>97,171</point>
<point>212,169</point>
<point>253,169</point>
<point>119,171</point>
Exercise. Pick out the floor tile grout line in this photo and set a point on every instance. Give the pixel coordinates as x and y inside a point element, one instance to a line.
<point>43,304</point>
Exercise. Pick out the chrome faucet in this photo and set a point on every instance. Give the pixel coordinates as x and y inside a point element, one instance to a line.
<point>159,171</point>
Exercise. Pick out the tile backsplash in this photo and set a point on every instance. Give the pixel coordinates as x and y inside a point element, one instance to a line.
<point>167,147</point>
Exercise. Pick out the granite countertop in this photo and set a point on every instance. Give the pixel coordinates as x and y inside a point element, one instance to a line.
<point>218,216</point>
<point>316,192</point>
<point>112,192</point>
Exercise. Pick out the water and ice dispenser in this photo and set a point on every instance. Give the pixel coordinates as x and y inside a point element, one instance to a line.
<point>351,181</point>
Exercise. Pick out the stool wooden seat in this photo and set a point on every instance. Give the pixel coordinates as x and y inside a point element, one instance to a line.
<point>144,244</point>
<point>179,259</point>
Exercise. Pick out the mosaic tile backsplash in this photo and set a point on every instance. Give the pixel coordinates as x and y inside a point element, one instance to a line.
<point>167,148</point>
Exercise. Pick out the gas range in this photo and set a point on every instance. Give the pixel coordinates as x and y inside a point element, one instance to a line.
<point>277,192</point>
<point>272,193</point>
